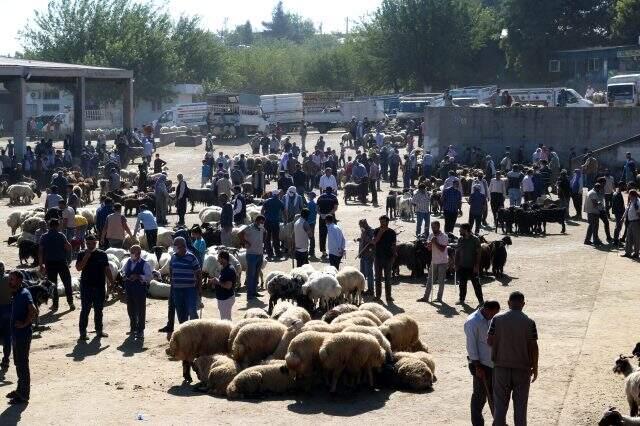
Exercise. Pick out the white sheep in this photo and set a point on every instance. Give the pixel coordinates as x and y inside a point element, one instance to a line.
<point>376,309</point>
<point>354,352</point>
<point>31,224</point>
<point>238,326</point>
<point>256,341</point>
<point>270,378</point>
<point>253,211</point>
<point>210,214</point>
<point>89,214</point>
<point>256,313</point>
<point>357,314</point>
<point>352,282</point>
<point>336,311</point>
<point>20,193</point>
<point>294,314</point>
<point>280,308</point>
<point>212,267</point>
<point>405,208</point>
<point>117,252</point>
<point>14,221</point>
<point>631,382</point>
<point>293,330</point>
<point>159,289</point>
<point>323,288</point>
<point>165,238</point>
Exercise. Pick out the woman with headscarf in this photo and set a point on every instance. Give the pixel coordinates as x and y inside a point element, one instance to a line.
<point>162,198</point>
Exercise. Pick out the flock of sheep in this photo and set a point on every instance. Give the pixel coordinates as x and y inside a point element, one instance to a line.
<point>287,351</point>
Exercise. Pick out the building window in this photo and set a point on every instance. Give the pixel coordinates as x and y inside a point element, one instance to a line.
<point>554,65</point>
<point>51,94</point>
<point>594,64</point>
<point>50,107</point>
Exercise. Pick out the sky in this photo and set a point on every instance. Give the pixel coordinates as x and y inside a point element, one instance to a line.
<point>215,14</point>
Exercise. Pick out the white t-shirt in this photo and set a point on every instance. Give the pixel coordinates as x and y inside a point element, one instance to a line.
<point>328,181</point>
<point>439,257</point>
<point>300,235</point>
<point>69,214</point>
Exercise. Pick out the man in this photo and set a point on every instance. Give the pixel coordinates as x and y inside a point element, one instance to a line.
<point>252,238</point>
<point>302,231</point>
<point>576,192</point>
<point>23,312</point>
<point>299,179</point>
<point>384,240</point>
<point>186,279</point>
<point>468,263</point>
<point>147,148</point>
<point>149,224</point>
<point>606,184</point>
<point>437,243</point>
<point>619,208</point>
<point>514,352</point>
<point>593,205</point>
<point>514,181</point>
<point>162,199</point>
<point>394,164</point>
<point>114,180</point>
<point>590,170</point>
<point>5,319</point>
<point>105,209</point>
<point>336,243</point>
<point>374,180</point>
<point>311,220</point>
<point>93,265</point>
<point>451,203</point>
<point>490,168</point>
<point>182,193</point>
<point>629,169</point>
<point>53,198</point>
<point>497,193</point>
<point>272,211</point>
<point>68,223</point>
<point>115,228</point>
<point>421,201</point>
<point>226,220</point>
<point>327,205</point>
<point>427,164</point>
<point>477,203</point>
<point>236,175</point>
<point>303,134</point>
<point>328,181</point>
<point>158,164</point>
<point>136,274</point>
<point>239,206</point>
<point>476,328</point>
<point>360,176</point>
<point>293,204</point>
<point>632,216</point>
<point>53,260</point>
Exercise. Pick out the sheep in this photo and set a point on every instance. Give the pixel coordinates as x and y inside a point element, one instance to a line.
<point>89,214</point>
<point>283,286</point>
<point>165,238</point>
<point>32,224</point>
<point>351,191</point>
<point>210,214</point>
<point>357,314</point>
<point>364,321</point>
<point>321,326</point>
<point>411,373</point>
<point>303,357</point>
<point>352,282</point>
<point>198,337</point>
<point>402,332</point>
<point>14,221</point>
<point>339,310</point>
<point>293,314</point>
<point>631,382</point>
<point>322,288</point>
<point>117,252</point>
<point>20,192</point>
<point>354,352</point>
<point>216,371</point>
<point>499,250</point>
<point>159,289</point>
<point>375,332</point>
<point>347,137</point>
<point>256,341</point>
<point>422,356</point>
<point>256,313</point>
<point>614,417</point>
<point>271,378</point>
<point>405,208</point>
<point>376,309</point>
<point>280,308</point>
<point>253,211</point>
<point>292,331</point>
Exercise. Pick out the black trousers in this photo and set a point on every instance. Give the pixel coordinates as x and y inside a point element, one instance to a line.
<point>479,395</point>
<point>616,231</point>
<point>302,258</point>
<point>181,207</point>
<point>21,347</point>
<point>60,268</point>
<point>576,197</point>
<point>136,305</point>
<point>152,237</point>
<point>475,219</point>
<point>604,217</point>
<point>464,275</point>
<point>273,238</point>
<point>91,297</point>
<point>323,235</point>
<point>450,221</point>
<point>312,240</point>
<point>497,202</point>
<point>383,266</point>
<point>374,192</point>
<point>335,261</point>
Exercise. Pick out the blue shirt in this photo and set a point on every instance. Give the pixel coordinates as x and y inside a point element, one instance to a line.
<point>451,199</point>
<point>20,311</point>
<point>272,209</point>
<point>101,216</point>
<point>206,171</point>
<point>147,220</point>
<point>182,270</point>
<point>477,201</point>
<point>201,248</point>
<point>313,212</point>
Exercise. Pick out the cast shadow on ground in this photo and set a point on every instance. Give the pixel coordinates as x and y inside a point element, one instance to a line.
<point>83,349</point>
<point>131,346</point>
<point>12,414</point>
<point>51,317</point>
<point>342,405</point>
<point>445,309</point>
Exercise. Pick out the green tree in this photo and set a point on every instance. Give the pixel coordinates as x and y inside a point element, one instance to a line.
<point>286,25</point>
<point>626,16</point>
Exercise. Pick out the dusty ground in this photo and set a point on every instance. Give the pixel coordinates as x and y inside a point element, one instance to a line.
<point>583,300</point>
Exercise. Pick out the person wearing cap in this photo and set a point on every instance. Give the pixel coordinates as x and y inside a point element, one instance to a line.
<point>149,224</point>
<point>239,206</point>
<point>93,266</point>
<point>272,211</point>
<point>293,204</point>
<point>53,260</point>
<point>327,204</point>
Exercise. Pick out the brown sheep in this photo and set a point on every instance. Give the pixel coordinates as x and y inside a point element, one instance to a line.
<point>236,328</point>
<point>402,332</point>
<point>338,310</point>
<point>357,314</point>
<point>215,372</point>
<point>273,378</point>
<point>376,309</point>
<point>256,341</point>
<point>303,357</point>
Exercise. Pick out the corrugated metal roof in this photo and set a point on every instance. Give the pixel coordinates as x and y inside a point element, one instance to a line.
<point>20,67</point>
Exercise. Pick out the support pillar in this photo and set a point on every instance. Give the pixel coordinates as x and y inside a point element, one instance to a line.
<point>127,105</point>
<point>78,118</point>
<point>19,87</point>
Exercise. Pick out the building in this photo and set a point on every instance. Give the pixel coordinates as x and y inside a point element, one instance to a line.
<point>578,68</point>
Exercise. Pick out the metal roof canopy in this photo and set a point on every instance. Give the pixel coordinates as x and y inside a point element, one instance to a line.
<point>12,67</point>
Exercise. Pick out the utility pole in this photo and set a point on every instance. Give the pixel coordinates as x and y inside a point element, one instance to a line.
<point>347,25</point>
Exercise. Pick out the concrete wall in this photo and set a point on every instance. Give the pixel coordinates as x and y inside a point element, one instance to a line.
<point>492,129</point>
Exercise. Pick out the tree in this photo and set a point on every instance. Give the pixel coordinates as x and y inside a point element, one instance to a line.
<point>113,33</point>
<point>624,26</point>
<point>286,25</point>
<point>242,35</point>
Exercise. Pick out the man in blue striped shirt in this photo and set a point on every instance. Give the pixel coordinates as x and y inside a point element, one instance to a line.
<point>185,281</point>
<point>451,203</point>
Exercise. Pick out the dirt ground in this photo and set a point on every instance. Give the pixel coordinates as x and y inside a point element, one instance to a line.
<point>581,298</point>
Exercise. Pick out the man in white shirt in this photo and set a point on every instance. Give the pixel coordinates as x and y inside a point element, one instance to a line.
<point>497,194</point>
<point>528,188</point>
<point>632,214</point>
<point>336,243</point>
<point>437,244</point>
<point>476,328</point>
<point>328,180</point>
<point>53,198</point>
<point>593,205</point>
<point>301,233</point>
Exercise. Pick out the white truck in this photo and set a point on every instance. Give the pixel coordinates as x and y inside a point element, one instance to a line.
<point>624,90</point>
<point>548,96</point>
<point>468,96</point>
<point>327,119</point>
<point>412,106</point>
<point>284,108</point>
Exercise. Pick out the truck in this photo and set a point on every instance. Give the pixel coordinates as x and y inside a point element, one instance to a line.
<point>548,96</point>
<point>412,106</point>
<point>283,108</point>
<point>624,90</point>
<point>223,114</point>
<point>340,114</point>
<point>468,96</point>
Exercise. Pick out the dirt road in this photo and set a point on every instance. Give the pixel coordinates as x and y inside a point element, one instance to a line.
<point>583,300</point>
